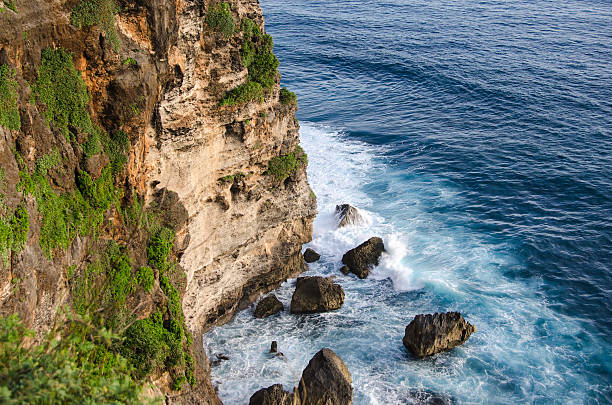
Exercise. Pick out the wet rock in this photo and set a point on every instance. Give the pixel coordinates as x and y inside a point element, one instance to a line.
<point>316,294</point>
<point>273,395</point>
<point>326,381</point>
<point>274,347</point>
<point>348,215</point>
<point>268,306</point>
<point>430,334</point>
<point>423,397</point>
<point>365,256</point>
<point>345,270</point>
<point>220,357</point>
<point>310,256</point>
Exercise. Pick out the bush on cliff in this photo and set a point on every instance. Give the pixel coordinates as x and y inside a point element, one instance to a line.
<point>284,166</point>
<point>74,364</point>
<point>219,18</point>
<point>249,91</point>
<point>287,97</point>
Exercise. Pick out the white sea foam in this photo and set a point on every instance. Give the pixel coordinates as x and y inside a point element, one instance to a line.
<point>523,351</point>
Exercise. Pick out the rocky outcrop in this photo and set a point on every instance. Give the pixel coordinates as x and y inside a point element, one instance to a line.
<point>268,306</point>
<point>423,397</point>
<point>326,381</point>
<point>316,294</point>
<point>348,215</point>
<point>430,334</point>
<point>310,256</point>
<point>273,395</point>
<point>365,256</point>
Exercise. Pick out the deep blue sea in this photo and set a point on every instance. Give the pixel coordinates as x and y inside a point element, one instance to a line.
<point>476,138</point>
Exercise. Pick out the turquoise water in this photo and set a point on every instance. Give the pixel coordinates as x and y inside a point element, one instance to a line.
<point>476,137</point>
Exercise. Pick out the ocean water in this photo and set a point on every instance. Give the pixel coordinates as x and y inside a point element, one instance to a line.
<point>476,138</point>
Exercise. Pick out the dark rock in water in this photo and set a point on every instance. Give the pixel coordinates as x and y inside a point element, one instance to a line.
<point>345,270</point>
<point>268,306</point>
<point>316,294</point>
<point>273,395</point>
<point>348,215</point>
<point>220,357</point>
<point>363,257</point>
<point>274,347</point>
<point>430,334</point>
<point>326,381</point>
<point>422,397</point>
<point>310,256</point>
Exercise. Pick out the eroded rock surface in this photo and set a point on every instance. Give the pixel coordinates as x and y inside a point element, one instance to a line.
<point>268,306</point>
<point>361,259</point>
<point>326,381</point>
<point>430,334</point>
<point>348,215</point>
<point>310,256</point>
<point>316,294</point>
<point>273,395</point>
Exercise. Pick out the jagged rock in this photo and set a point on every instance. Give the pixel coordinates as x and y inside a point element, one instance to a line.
<point>316,294</point>
<point>274,347</point>
<point>268,306</point>
<point>430,334</point>
<point>326,381</point>
<point>363,257</point>
<point>273,395</point>
<point>348,215</point>
<point>310,256</point>
<point>345,270</point>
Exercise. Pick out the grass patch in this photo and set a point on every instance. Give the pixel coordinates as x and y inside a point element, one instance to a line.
<point>284,166</point>
<point>287,97</point>
<point>219,18</point>
<point>98,12</point>
<point>129,62</point>
<point>159,248</point>
<point>13,233</point>
<point>9,113</point>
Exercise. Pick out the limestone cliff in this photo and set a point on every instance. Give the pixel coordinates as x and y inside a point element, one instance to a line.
<point>170,155</point>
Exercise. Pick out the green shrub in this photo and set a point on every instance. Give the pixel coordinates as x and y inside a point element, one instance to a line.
<point>74,364</point>
<point>10,4</point>
<point>20,225</point>
<point>257,54</point>
<point>9,114</point>
<point>219,18</point>
<point>287,97</point>
<point>145,346</point>
<point>97,12</point>
<point>159,248</point>
<point>100,193</point>
<point>129,62</point>
<point>91,147</point>
<point>62,90</point>
<point>284,166</point>
<point>146,278</point>
<point>249,91</point>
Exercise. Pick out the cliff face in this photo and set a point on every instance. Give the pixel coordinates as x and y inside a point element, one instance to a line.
<point>202,169</point>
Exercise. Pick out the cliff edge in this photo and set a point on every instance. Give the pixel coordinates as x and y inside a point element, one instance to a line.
<point>152,178</point>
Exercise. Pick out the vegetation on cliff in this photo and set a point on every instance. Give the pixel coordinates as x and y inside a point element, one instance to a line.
<point>283,166</point>
<point>259,59</point>
<point>9,114</point>
<point>219,18</point>
<point>88,13</point>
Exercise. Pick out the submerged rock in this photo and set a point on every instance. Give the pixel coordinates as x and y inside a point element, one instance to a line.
<point>348,215</point>
<point>363,257</point>
<point>345,270</point>
<point>310,256</point>
<point>326,381</point>
<point>273,395</point>
<point>430,334</point>
<point>316,294</point>
<point>268,306</point>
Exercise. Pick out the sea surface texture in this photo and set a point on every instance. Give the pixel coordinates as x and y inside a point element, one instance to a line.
<point>476,138</point>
